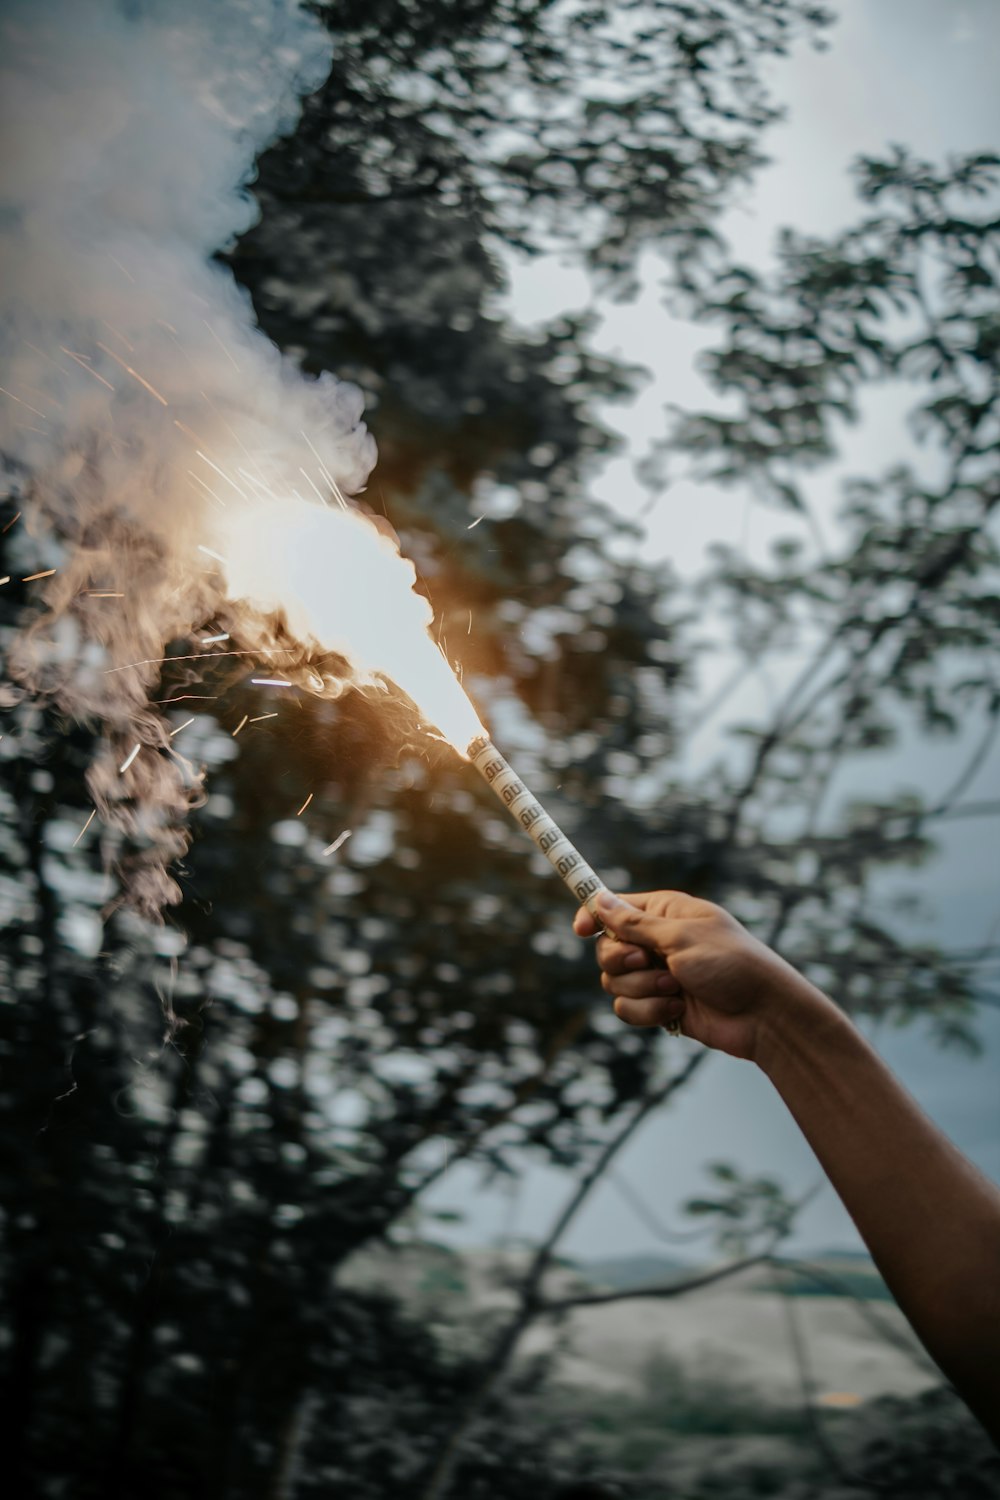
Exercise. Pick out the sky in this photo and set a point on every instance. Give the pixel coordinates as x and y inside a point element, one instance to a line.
<point>914,72</point>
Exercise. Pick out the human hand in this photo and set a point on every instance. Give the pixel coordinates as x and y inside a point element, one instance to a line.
<point>723,986</point>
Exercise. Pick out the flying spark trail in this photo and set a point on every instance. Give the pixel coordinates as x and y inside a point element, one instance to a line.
<point>134,373</point>
<point>159,661</point>
<point>210,640</point>
<point>222,346</point>
<point>263,681</point>
<point>5,392</point>
<point>188,432</point>
<point>4,580</point>
<point>83,830</point>
<point>102,594</point>
<point>120,336</point>
<point>179,728</point>
<point>305,804</point>
<point>127,274</point>
<point>222,475</point>
<point>322,466</point>
<point>85,366</point>
<point>475,523</point>
<point>258,484</point>
<point>260,717</point>
<point>46,573</point>
<point>340,840</point>
<point>129,759</point>
<point>310,481</point>
<point>207,487</point>
<point>10,524</point>
<point>338,495</point>
<point>207,550</point>
<point>240,725</point>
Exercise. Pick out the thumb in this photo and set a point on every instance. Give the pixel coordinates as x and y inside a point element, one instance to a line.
<point>627,922</point>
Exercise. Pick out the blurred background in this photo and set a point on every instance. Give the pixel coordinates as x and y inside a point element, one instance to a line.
<point>678,331</point>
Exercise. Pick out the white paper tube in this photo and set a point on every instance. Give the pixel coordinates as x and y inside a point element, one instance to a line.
<point>567,861</point>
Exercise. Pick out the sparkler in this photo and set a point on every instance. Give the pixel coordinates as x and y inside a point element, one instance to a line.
<point>342,583</point>
<point>567,861</point>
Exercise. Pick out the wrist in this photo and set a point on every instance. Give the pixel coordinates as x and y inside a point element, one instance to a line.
<point>799,1025</point>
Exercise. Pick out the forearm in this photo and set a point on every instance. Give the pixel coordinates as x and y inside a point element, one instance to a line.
<point>929,1218</point>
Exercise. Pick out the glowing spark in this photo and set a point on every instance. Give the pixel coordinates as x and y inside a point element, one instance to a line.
<point>154,661</point>
<point>102,594</point>
<point>134,374</point>
<point>38,413</point>
<point>338,494</point>
<point>270,682</point>
<point>121,268</point>
<point>259,717</point>
<point>240,725</point>
<point>130,757</point>
<point>222,475</point>
<point>310,481</point>
<point>209,553</point>
<point>83,830</point>
<point>338,842</point>
<point>85,366</point>
<point>198,480</point>
<point>46,573</point>
<point>188,432</point>
<point>322,466</point>
<point>4,580</point>
<point>475,523</point>
<point>120,336</point>
<point>221,345</point>
<point>179,728</point>
<point>258,484</point>
<point>43,396</point>
<point>469,631</point>
<point>210,640</point>
<point>305,805</point>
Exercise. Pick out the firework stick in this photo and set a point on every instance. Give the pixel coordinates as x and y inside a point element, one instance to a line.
<point>567,861</point>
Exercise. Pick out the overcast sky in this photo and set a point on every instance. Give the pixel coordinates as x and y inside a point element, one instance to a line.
<point>920,73</point>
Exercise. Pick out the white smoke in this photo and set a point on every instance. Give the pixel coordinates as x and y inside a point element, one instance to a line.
<point>133,368</point>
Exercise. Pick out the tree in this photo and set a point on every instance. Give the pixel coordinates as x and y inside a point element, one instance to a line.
<point>318,1041</point>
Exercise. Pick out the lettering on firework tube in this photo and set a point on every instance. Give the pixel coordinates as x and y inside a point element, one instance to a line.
<point>524,807</point>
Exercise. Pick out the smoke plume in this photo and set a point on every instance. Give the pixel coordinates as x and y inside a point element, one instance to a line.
<point>142,405</point>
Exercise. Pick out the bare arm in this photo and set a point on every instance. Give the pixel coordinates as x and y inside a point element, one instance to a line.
<point>930,1219</point>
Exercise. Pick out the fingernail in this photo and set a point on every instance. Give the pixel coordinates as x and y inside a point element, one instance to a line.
<point>636,960</point>
<point>666,984</point>
<point>609,905</point>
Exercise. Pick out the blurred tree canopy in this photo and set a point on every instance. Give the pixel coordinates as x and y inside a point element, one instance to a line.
<point>201,1123</point>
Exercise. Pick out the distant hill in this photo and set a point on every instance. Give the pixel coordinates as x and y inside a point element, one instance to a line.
<point>621,1273</point>
<point>838,1273</point>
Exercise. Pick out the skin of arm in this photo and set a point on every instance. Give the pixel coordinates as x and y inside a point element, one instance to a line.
<point>930,1219</point>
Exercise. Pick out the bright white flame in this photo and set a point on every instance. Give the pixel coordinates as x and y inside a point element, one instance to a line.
<point>342,584</point>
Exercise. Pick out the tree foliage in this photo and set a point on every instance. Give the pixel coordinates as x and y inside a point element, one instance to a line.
<point>201,1124</point>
